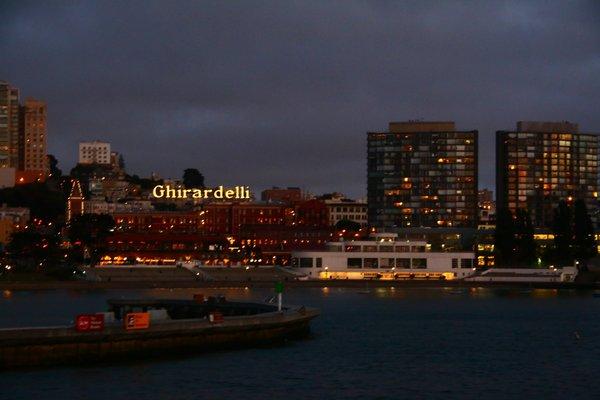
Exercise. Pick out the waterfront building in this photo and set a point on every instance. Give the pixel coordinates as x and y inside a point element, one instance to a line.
<point>160,237</point>
<point>312,213</point>
<point>9,126</point>
<point>422,174</point>
<point>541,163</point>
<point>186,222</point>
<point>227,218</point>
<point>383,257</point>
<point>95,152</point>
<point>101,206</point>
<point>276,242</point>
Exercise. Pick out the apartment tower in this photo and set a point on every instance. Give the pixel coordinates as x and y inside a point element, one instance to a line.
<point>422,174</point>
<point>541,163</point>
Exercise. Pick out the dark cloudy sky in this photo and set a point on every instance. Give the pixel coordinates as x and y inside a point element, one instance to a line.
<point>282,92</point>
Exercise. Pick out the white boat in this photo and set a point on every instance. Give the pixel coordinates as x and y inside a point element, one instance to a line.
<point>383,257</point>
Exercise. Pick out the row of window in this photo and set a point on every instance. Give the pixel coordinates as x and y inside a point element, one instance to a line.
<point>375,248</point>
<point>372,263</point>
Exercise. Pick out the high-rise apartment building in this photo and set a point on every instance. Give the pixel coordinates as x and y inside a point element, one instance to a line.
<point>32,154</point>
<point>422,174</point>
<point>95,152</point>
<point>23,133</point>
<point>9,125</point>
<point>542,163</point>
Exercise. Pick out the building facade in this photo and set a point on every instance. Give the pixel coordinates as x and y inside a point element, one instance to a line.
<point>12,219</point>
<point>422,174</point>
<point>342,209</point>
<point>95,152</point>
<point>282,195</point>
<point>23,133</point>
<point>541,163</point>
<point>9,126</point>
<point>33,155</point>
<point>224,218</point>
<point>159,222</point>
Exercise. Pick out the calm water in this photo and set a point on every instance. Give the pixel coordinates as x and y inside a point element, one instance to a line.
<point>402,343</point>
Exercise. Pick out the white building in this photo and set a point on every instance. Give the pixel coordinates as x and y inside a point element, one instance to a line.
<point>384,257</point>
<point>94,153</point>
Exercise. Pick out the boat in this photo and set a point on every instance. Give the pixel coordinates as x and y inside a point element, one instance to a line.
<point>383,257</point>
<point>141,328</point>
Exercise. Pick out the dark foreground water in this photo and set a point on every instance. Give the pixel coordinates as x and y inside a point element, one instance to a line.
<point>390,343</point>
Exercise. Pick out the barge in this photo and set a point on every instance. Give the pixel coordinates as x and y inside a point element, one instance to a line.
<point>134,329</point>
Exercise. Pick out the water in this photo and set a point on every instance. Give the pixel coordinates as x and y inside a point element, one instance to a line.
<point>388,344</point>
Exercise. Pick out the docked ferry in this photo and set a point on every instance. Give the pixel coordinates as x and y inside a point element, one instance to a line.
<point>383,257</point>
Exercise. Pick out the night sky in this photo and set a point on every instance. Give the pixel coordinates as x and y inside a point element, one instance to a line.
<point>282,93</point>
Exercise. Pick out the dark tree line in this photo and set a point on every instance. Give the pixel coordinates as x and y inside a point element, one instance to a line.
<point>573,234</point>
<point>514,244</point>
<point>573,237</point>
<point>88,234</point>
<point>192,178</point>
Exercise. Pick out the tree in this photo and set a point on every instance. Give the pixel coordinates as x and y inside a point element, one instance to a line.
<point>32,250</point>
<point>85,172</point>
<point>584,243</point>
<point>144,183</point>
<point>91,231</point>
<point>121,162</point>
<point>192,178</point>
<point>348,225</point>
<point>525,253</point>
<point>42,201</point>
<point>504,238</point>
<point>563,234</point>
<point>53,164</point>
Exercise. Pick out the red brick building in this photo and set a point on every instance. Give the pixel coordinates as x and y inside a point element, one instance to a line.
<point>275,243</point>
<point>289,195</point>
<point>222,231</point>
<point>188,222</point>
<point>228,218</point>
<point>312,213</point>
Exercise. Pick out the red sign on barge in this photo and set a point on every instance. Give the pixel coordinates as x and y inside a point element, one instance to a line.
<point>89,322</point>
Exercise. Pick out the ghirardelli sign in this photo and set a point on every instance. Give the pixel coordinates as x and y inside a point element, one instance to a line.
<point>221,192</point>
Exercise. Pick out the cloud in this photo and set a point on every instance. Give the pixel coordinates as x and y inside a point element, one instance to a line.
<point>282,93</point>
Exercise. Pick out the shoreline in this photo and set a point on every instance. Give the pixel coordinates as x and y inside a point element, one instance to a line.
<point>86,285</point>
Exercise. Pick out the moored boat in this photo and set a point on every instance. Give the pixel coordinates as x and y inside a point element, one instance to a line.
<point>145,328</point>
